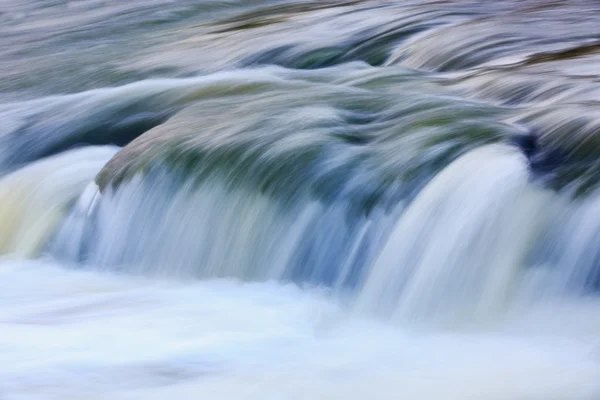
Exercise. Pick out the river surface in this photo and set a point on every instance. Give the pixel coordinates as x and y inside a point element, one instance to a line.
<point>299,199</point>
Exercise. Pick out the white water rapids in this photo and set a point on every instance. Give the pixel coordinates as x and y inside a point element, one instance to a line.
<point>73,334</point>
<point>69,333</point>
<point>299,200</point>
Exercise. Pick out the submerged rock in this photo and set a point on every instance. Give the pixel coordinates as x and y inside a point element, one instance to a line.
<point>527,142</point>
<point>366,135</point>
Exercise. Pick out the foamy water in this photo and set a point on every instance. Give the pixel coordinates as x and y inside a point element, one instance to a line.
<point>68,334</point>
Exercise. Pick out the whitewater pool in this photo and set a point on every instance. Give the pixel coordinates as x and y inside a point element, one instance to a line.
<point>68,334</point>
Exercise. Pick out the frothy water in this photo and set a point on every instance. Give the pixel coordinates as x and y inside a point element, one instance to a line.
<point>65,333</point>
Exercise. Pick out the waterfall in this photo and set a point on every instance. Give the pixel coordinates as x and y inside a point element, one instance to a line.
<point>461,246</point>
<point>34,199</point>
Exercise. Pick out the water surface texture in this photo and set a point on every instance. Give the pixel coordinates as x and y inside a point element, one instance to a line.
<point>299,199</point>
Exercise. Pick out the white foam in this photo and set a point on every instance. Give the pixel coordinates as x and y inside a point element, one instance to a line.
<point>67,334</point>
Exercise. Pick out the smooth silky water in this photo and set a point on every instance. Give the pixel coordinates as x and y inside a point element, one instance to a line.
<point>299,200</point>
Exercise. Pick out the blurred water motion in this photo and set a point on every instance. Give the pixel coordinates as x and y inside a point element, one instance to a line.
<point>299,199</point>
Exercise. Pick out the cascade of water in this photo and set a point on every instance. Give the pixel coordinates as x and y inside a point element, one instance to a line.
<point>314,199</point>
<point>151,225</point>
<point>34,199</point>
<point>459,250</point>
<point>461,244</point>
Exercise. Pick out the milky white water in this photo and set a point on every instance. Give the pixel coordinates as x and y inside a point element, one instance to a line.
<point>68,334</point>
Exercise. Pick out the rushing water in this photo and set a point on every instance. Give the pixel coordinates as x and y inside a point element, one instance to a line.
<point>299,199</point>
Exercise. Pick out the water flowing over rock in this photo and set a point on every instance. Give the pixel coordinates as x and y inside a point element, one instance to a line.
<point>300,199</point>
